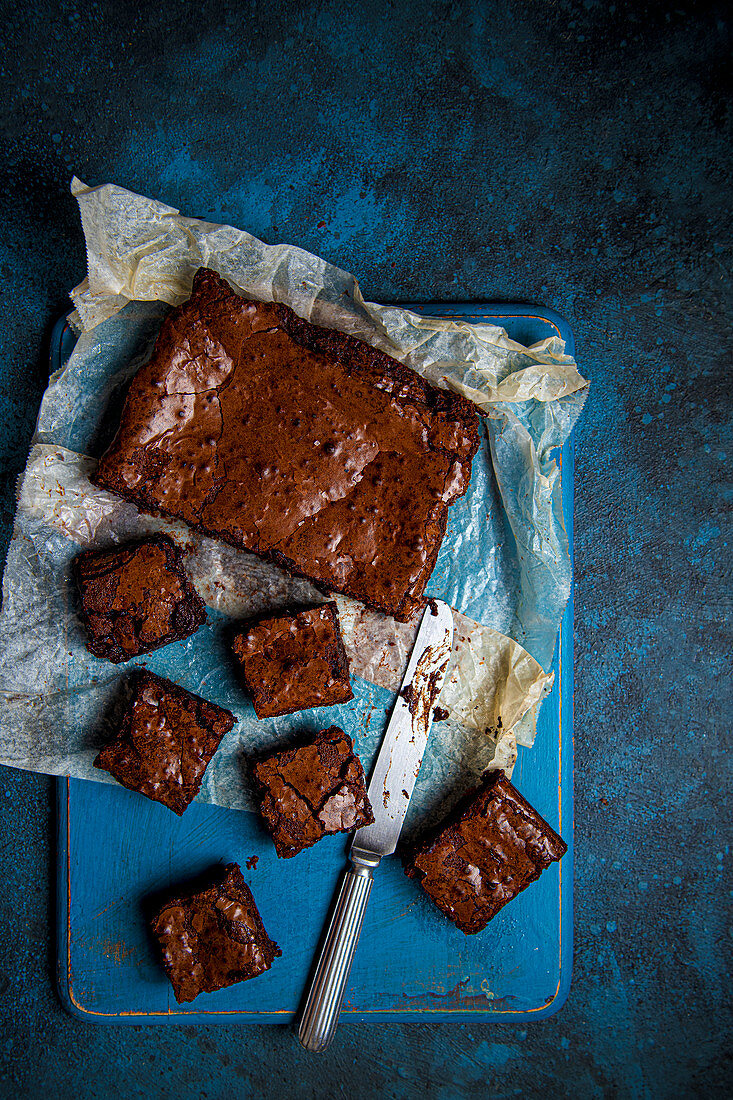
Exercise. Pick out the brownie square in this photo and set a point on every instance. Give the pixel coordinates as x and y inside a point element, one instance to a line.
<point>213,938</point>
<point>293,661</point>
<point>493,846</point>
<point>165,742</point>
<point>313,791</point>
<point>136,598</point>
<point>304,445</point>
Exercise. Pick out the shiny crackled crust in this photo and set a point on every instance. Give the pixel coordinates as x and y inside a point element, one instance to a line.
<point>136,598</point>
<point>166,740</point>
<point>493,846</point>
<point>306,446</point>
<point>313,791</point>
<point>293,661</point>
<point>213,938</point>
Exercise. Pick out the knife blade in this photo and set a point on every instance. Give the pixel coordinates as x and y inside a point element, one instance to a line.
<point>390,788</point>
<point>400,756</point>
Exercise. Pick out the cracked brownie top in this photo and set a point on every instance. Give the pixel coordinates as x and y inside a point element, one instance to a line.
<point>213,938</point>
<point>303,445</point>
<point>136,598</point>
<point>165,742</point>
<point>491,847</point>
<point>313,791</point>
<point>294,660</point>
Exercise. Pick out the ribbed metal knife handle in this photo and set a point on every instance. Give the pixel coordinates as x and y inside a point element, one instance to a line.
<point>321,1012</point>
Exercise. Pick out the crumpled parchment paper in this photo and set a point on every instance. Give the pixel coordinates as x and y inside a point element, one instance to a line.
<point>504,566</point>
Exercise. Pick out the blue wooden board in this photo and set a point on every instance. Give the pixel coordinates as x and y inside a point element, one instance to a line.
<point>115,848</point>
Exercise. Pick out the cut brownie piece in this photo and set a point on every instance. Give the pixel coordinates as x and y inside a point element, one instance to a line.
<point>307,447</point>
<point>165,742</point>
<point>487,851</point>
<point>136,598</point>
<point>293,661</point>
<point>313,791</point>
<point>213,938</point>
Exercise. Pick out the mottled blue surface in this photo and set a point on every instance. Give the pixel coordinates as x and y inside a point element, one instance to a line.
<point>576,154</point>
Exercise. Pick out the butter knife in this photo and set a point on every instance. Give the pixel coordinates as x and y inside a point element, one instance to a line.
<point>390,788</point>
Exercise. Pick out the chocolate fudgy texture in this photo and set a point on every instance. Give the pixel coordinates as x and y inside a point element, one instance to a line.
<point>307,447</point>
<point>493,846</point>
<point>136,598</point>
<point>166,740</point>
<point>213,938</point>
<point>293,661</point>
<point>313,791</point>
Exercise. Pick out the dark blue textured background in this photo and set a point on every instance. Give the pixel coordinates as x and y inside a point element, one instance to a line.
<point>576,155</point>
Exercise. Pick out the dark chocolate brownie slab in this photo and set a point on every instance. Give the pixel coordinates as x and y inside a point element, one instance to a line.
<point>294,660</point>
<point>165,742</point>
<point>213,938</point>
<point>313,791</point>
<point>303,445</point>
<point>136,598</point>
<point>493,846</point>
